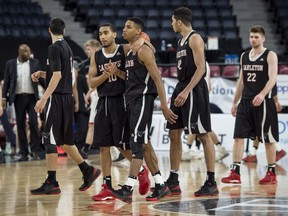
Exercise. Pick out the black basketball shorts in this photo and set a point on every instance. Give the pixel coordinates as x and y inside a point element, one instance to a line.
<point>58,126</point>
<point>194,115</point>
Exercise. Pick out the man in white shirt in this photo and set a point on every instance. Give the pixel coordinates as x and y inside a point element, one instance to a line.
<point>19,89</point>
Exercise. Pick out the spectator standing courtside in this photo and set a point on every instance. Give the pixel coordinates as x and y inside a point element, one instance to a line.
<point>19,89</point>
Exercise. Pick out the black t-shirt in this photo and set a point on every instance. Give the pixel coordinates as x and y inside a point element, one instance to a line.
<point>60,58</point>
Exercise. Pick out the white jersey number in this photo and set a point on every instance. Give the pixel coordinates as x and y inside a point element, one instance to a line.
<point>179,64</point>
<point>251,77</point>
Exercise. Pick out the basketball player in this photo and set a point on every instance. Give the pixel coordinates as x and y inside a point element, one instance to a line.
<point>107,74</point>
<point>190,101</point>
<point>91,46</point>
<point>59,107</point>
<point>141,82</point>
<point>256,114</point>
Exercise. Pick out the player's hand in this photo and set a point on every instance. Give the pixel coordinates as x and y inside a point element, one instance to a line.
<point>111,68</point>
<point>40,105</point>
<point>234,110</point>
<point>35,76</point>
<point>258,99</point>
<point>181,99</point>
<point>169,115</point>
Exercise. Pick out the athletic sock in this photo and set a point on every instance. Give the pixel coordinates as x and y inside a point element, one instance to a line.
<point>51,176</point>
<point>108,181</point>
<point>236,167</point>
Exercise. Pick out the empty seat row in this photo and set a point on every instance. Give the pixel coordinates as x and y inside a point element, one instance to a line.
<point>149,3</point>
<point>21,20</point>
<point>31,32</point>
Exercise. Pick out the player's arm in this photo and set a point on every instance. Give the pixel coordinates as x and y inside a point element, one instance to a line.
<point>272,73</point>
<point>146,56</point>
<point>238,91</point>
<point>196,44</point>
<point>94,80</point>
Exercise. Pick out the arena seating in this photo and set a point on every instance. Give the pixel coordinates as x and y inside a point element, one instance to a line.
<point>22,18</point>
<point>280,10</point>
<point>210,17</point>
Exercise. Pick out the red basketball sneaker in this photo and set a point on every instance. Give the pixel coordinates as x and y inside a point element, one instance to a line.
<point>144,181</point>
<point>233,178</point>
<point>270,178</point>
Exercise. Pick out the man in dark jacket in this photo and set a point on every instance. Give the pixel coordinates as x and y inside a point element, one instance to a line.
<point>19,89</point>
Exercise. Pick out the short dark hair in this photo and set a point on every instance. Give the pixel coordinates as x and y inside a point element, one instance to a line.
<point>257,29</point>
<point>184,14</point>
<point>138,21</point>
<point>57,26</point>
<point>110,25</point>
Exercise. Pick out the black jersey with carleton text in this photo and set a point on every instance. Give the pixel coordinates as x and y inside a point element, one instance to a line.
<point>255,75</point>
<point>60,58</point>
<point>113,85</point>
<point>138,80</point>
<point>185,61</point>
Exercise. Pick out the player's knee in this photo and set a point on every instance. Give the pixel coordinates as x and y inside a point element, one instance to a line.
<point>50,149</point>
<point>137,151</point>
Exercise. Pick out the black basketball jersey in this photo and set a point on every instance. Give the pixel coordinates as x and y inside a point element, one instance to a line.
<point>113,85</point>
<point>60,58</point>
<point>185,60</point>
<point>138,80</point>
<point>255,75</point>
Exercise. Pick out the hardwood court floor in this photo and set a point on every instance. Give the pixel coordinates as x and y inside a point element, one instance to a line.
<point>249,198</point>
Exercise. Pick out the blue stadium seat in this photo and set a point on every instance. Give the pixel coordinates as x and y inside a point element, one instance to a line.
<point>119,24</point>
<point>138,12</point>
<point>153,13</point>
<point>151,24</point>
<point>230,34</point>
<point>167,35</point>
<point>146,3</point>
<point>130,3</point>
<point>123,13</point>
<point>108,13</point>
<point>167,13</point>
<point>99,3</point>
<point>166,24</point>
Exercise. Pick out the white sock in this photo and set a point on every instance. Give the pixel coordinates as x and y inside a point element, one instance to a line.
<point>158,179</point>
<point>141,169</point>
<point>131,182</point>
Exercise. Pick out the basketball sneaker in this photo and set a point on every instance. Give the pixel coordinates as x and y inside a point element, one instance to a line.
<point>104,194</point>
<point>144,181</point>
<point>250,158</point>
<point>173,186</point>
<point>270,178</point>
<point>159,192</point>
<point>88,180</point>
<point>208,189</point>
<point>47,188</point>
<point>233,178</point>
<point>280,154</point>
<point>220,153</point>
<point>124,194</point>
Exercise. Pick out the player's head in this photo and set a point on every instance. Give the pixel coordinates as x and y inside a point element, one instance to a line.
<point>57,26</point>
<point>133,28</point>
<point>24,52</point>
<point>257,36</point>
<point>91,46</point>
<point>181,16</point>
<point>107,34</point>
